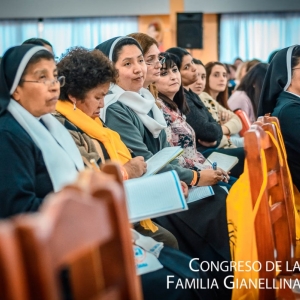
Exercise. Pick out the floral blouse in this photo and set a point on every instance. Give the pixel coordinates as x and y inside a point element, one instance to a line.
<point>180,133</point>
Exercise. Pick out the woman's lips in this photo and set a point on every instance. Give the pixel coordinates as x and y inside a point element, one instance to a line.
<point>139,78</point>
<point>52,99</point>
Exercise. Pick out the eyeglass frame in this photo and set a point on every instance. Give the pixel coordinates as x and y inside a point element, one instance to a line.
<point>51,81</point>
<point>160,61</point>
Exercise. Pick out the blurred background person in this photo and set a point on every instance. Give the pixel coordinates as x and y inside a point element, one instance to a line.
<point>246,96</point>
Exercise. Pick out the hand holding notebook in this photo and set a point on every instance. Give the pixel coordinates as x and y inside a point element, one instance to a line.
<point>161,158</point>
<point>223,161</point>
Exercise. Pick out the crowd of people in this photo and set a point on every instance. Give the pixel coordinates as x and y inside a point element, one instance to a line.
<point>125,101</point>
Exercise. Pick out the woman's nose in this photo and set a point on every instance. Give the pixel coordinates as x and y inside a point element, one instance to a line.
<point>137,68</point>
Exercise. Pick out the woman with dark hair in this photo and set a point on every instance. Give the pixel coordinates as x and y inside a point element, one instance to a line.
<point>173,103</point>
<point>209,133</point>
<point>199,85</point>
<point>130,110</point>
<point>280,96</point>
<point>89,74</point>
<point>246,96</point>
<point>38,155</point>
<point>39,42</point>
<point>216,82</point>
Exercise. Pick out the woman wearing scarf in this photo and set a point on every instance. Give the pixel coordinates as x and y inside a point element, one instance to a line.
<point>38,155</point>
<point>130,109</point>
<point>280,96</point>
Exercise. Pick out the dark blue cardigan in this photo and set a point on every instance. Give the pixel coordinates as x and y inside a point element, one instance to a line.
<point>24,179</point>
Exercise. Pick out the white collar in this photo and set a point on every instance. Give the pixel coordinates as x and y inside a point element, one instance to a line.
<point>60,154</point>
<point>293,94</point>
<point>141,103</point>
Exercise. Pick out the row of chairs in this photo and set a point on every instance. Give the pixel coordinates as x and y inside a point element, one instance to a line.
<point>274,224</point>
<point>78,246</point>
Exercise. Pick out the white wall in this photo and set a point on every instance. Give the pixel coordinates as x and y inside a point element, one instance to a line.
<point>81,8</point>
<point>231,6</point>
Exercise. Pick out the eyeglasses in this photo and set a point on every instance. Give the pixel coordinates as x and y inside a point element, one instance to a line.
<point>49,82</point>
<point>156,63</point>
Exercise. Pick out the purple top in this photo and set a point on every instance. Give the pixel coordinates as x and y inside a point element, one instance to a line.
<point>239,99</point>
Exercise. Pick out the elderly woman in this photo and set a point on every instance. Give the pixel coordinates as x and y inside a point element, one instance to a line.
<point>280,96</point>
<point>130,109</point>
<point>38,155</point>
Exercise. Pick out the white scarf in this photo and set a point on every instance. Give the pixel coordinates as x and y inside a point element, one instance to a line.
<point>61,156</point>
<point>141,104</point>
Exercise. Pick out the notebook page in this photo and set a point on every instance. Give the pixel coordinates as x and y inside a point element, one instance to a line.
<point>224,161</point>
<point>149,197</point>
<point>199,192</point>
<point>161,158</point>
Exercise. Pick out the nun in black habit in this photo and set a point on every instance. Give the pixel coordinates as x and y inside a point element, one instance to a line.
<point>38,155</point>
<point>202,230</point>
<point>280,96</point>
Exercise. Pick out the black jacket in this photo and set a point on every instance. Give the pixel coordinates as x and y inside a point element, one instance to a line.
<point>24,179</point>
<point>206,128</point>
<point>287,110</point>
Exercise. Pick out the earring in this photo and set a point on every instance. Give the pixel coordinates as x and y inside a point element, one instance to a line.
<point>74,105</point>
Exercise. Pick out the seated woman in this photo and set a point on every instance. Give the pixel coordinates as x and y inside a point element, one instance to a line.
<point>215,97</point>
<point>280,96</point>
<point>179,132</point>
<point>246,96</point>
<point>208,132</point>
<point>228,120</point>
<point>89,74</point>
<point>38,155</point>
<point>141,126</point>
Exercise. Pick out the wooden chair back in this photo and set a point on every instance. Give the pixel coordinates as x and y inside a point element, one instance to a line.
<point>81,237</point>
<point>266,122</point>
<point>12,275</point>
<point>245,121</point>
<point>273,237</point>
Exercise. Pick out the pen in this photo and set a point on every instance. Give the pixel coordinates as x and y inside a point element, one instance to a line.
<point>214,166</point>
